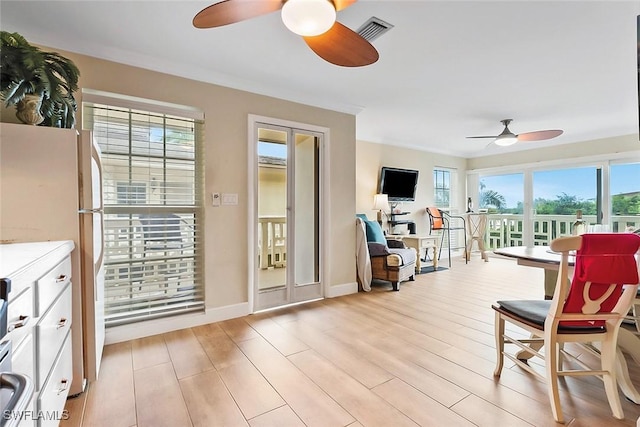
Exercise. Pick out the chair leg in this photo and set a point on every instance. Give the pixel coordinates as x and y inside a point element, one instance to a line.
<point>551,362</point>
<point>499,331</point>
<point>449,245</point>
<point>467,254</point>
<point>608,360</point>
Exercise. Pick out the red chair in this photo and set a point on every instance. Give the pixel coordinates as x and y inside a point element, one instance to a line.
<point>590,309</point>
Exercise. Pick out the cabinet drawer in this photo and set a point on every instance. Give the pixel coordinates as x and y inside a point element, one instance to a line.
<point>53,395</point>
<point>51,331</point>
<point>427,243</point>
<point>20,316</point>
<point>51,284</point>
<point>22,361</point>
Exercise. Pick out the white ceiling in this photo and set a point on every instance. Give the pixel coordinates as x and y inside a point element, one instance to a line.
<point>447,70</point>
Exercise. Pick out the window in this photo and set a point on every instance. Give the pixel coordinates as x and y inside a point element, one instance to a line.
<point>151,168</point>
<point>134,193</point>
<point>442,188</point>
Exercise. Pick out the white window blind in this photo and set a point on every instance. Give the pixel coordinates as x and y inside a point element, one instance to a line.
<point>152,177</point>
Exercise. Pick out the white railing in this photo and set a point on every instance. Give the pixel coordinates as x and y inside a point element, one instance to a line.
<point>272,241</point>
<point>507,229</point>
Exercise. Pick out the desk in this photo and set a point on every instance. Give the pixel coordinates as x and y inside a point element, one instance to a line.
<point>418,243</point>
<point>628,342</point>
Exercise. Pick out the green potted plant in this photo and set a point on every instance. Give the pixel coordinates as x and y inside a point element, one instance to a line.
<point>40,84</point>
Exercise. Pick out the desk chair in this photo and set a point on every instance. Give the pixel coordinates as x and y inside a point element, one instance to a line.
<point>589,309</point>
<point>440,220</point>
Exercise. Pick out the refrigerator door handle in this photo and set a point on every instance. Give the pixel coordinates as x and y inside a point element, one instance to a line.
<point>90,211</point>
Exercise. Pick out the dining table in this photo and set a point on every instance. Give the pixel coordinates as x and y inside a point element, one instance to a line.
<point>543,257</point>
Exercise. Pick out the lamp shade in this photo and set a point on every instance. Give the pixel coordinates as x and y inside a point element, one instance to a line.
<point>506,140</point>
<point>381,202</point>
<point>308,17</point>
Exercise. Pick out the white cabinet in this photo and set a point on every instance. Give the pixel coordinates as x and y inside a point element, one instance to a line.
<point>40,323</point>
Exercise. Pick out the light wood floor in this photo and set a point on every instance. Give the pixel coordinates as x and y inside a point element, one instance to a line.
<point>421,356</point>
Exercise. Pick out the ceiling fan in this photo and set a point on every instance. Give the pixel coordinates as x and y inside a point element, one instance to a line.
<point>314,20</point>
<point>507,137</point>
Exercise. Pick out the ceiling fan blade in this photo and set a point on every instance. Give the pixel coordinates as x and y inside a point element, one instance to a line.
<point>232,11</point>
<point>343,4</point>
<point>539,135</point>
<point>494,137</point>
<point>343,46</point>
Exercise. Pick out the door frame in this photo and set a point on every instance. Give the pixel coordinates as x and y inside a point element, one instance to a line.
<point>252,197</point>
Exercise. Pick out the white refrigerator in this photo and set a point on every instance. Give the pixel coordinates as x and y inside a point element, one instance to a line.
<point>50,189</point>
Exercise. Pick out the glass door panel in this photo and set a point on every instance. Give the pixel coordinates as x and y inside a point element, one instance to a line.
<point>503,198</point>
<point>306,210</point>
<point>558,195</point>
<point>272,209</point>
<point>625,197</point>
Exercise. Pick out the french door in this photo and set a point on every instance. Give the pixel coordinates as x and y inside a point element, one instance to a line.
<point>286,238</point>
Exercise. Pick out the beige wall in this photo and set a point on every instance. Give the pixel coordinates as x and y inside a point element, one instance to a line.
<point>272,191</point>
<point>370,157</point>
<point>226,113</point>
<point>597,147</point>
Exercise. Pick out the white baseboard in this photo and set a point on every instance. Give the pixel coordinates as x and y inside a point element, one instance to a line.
<point>340,290</point>
<point>159,326</point>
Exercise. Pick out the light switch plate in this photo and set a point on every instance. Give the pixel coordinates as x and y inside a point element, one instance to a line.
<point>229,198</point>
<point>215,199</point>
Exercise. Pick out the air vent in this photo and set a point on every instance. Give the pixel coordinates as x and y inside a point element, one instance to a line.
<point>373,28</point>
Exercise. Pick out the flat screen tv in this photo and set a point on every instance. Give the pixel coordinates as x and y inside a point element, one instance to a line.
<point>398,184</point>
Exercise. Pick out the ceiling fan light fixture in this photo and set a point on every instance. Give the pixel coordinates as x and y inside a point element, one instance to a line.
<point>308,17</point>
<point>506,140</point>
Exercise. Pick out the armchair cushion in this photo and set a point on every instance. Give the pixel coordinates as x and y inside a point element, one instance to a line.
<point>396,244</point>
<point>378,249</point>
<point>374,232</point>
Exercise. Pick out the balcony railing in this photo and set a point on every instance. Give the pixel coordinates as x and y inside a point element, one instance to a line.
<point>507,229</point>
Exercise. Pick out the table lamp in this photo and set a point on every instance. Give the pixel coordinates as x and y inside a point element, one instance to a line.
<point>381,204</point>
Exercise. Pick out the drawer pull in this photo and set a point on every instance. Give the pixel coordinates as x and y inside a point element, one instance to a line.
<point>61,323</point>
<point>22,321</point>
<point>64,385</point>
<point>61,278</point>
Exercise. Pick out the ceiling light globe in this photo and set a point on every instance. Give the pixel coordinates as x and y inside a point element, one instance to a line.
<point>308,17</point>
<point>506,140</point>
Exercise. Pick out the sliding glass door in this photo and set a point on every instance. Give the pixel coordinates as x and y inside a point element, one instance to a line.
<point>535,206</point>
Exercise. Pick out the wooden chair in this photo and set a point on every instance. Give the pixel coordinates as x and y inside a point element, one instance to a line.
<point>589,309</point>
<point>440,220</point>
